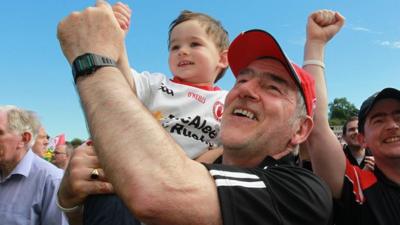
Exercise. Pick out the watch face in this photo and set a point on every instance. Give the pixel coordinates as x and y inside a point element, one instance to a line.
<point>85,64</point>
<point>88,63</point>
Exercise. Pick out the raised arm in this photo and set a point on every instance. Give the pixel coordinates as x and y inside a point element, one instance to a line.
<point>327,157</point>
<point>147,169</point>
<point>122,13</point>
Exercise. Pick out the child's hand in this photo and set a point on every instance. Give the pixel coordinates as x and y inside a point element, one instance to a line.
<point>122,13</point>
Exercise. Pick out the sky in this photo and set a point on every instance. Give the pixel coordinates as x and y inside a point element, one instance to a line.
<point>362,59</point>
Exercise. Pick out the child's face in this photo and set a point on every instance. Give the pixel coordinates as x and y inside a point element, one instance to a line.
<point>193,56</point>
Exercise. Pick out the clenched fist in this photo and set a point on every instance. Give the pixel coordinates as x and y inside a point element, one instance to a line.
<point>94,30</point>
<point>323,25</point>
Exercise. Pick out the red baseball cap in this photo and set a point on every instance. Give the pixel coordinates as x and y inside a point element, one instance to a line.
<point>255,44</point>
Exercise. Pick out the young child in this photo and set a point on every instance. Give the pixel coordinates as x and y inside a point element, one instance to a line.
<point>189,106</point>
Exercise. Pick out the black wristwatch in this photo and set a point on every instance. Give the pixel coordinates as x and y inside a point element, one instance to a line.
<point>88,63</point>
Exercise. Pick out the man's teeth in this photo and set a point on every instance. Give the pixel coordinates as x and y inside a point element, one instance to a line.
<point>242,112</point>
<point>392,139</point>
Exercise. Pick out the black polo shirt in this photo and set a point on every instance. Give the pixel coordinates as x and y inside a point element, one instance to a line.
<point>368,198</point>
<point>276,192</point>
<point>271,194</point>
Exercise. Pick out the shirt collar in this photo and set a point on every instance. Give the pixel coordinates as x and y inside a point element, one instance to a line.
<point>207,88</point>
<point>24,166</point>
<point>288,159</point>
<point>378,173</point>
<point>268,161</point>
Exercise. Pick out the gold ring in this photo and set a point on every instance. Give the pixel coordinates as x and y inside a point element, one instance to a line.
<point>94,174</point>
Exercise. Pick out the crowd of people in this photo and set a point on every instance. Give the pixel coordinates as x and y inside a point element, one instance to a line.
<point>191,153</point>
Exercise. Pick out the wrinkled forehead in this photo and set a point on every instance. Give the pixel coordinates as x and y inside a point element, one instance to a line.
<point>271,68</point>
<point>42,131</point>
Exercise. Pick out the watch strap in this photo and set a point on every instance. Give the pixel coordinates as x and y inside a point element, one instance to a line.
<point>88,63</point>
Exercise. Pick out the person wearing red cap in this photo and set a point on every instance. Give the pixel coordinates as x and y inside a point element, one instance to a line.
<point>267,114</point>
<point>361,196</point>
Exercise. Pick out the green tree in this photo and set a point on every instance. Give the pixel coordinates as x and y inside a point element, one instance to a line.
<point>340,110</point>
<point>76,142</point>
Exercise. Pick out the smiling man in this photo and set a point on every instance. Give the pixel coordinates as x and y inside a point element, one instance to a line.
<point>355,152</point>
<point>267,113</point>
<point>363,197</point>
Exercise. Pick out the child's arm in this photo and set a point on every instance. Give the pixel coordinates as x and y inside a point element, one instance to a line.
<point>210,156</point>
<point>122,13</point>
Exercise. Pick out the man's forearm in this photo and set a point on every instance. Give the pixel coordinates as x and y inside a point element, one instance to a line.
<point>136,153</point>
<point>147,168</point>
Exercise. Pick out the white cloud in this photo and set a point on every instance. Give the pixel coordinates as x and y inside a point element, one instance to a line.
<point>396,44</point>
<point>393,44</point>
<point>361,29</point>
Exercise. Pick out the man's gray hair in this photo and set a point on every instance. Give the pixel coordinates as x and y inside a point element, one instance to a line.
<point>20,121</point>
<point>301,111</point>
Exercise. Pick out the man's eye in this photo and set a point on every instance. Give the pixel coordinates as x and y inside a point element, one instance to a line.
<point>274,88</point>
<point>239,81</point>
<point>377,121</point>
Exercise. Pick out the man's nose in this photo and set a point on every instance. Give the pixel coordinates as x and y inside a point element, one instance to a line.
<point>393,122</point>
<point>249,90</point>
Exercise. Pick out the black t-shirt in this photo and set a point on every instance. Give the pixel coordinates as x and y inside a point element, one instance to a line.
<point>368,198</point>
<point>271,194</point>
<point>274,193</point>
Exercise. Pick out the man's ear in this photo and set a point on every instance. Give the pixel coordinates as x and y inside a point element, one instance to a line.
<point>303,131</point>
<point>223,59</point>
<point>361,140</point>
<point>26,138</point>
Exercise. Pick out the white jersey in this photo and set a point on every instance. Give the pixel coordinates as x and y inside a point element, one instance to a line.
<point>190,114</point>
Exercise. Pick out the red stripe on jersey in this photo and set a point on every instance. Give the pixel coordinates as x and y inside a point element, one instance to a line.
<point>207,88</point>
